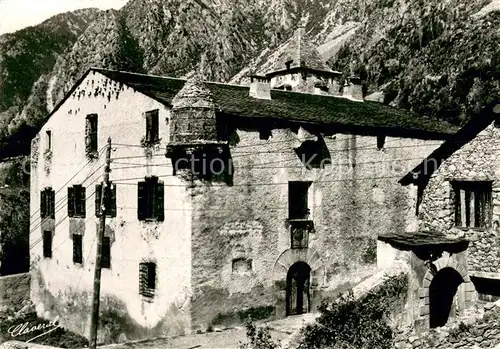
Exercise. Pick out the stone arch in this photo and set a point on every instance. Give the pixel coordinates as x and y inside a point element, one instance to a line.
<point>443,264</point>
<point>280,273</point>
<point>292,256</point>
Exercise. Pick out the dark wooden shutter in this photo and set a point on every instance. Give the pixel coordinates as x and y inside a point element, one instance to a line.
<point>47,244</point>
<point>112,200</point>
<point>98,194</point>
<point>106,253</point>
<point>82,201</point>
<point>77,248</point>
<point>71,201</point>
<point>141,201</point>
<point>149,127</point>
<point>52,204</point>
<point>154,125</point>
<point>43,204</point>
<point>159,202</point>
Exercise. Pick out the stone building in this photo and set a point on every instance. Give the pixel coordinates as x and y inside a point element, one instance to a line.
<point>226,201</point>
<point>454,252</point>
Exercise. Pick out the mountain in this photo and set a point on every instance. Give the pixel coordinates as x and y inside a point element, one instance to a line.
<point>26,57</point>
<point>437,58</point>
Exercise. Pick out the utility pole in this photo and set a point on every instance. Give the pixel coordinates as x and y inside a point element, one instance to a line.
<point>97,275</point>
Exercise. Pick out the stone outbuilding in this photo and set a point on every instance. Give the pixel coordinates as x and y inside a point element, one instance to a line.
<point>455,248</point>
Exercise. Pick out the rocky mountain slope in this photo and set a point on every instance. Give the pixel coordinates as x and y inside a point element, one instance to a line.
<point>26,56</point>
<point>438,58</point>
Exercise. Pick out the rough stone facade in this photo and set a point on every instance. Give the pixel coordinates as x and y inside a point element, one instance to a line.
<point>351,201</point>
<point>478,160</point>
<point>480,333</point>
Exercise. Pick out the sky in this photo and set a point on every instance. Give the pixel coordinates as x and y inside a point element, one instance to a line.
<point>17,14</point>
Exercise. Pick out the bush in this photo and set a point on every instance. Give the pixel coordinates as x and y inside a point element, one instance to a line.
<point>258,338</point>
<point>356,323</point>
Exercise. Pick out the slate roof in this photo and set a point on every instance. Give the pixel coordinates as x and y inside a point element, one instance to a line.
<point>364,117</point>
<point>302,54</point>
<point>421,239</point>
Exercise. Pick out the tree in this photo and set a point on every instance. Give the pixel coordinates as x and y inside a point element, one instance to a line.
<point>128,55</point>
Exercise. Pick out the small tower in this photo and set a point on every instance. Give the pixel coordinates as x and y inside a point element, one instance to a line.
<point>194,137</point>
<point>300,67</point>
<point>193,114</point>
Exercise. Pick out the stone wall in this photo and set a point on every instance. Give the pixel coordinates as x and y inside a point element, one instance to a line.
<point>483,332</point>
<point>478,160</point>
<point>14,290</point>
<point>351,201</point>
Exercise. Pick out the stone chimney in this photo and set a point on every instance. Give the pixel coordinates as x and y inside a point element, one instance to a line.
<point>260,87</point>
<point>353,89</point>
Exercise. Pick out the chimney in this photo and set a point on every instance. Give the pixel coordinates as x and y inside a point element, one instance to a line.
<point>353,89</point>
<point>259,87</point>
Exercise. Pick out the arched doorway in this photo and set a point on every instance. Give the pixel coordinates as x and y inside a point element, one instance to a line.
<point>297,289</point>
<point>442,291</point>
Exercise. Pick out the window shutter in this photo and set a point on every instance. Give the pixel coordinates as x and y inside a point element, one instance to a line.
<point>112,203</point>
<point>71,202</point>
<point>82,201</point>
<point>141,200</point>
<point>159,202</point>
<point>106,253</point>
<point>154,125</point>
<point>149,126</point>
<point>98,194</point>
<point>52,204</point>
<point>43,204</point>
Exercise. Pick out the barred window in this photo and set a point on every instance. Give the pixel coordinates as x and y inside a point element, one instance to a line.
<point>472,204</point>
<point>147,279</point>
<point>241,265</point>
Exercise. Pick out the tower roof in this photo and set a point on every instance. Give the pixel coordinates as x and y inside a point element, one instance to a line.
<point>299,52</point>
<point>194,94</point>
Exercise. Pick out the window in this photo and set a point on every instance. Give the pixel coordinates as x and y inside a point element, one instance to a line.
<point>48,140</point>
<point>77,248</point>
<point>47,203</point>
<point>76,201</point>
<point>152,126</point>
<point>150,200</point>
<point>300,234</point>
<point>147,279</point>
<point>298,207</point>
<point>106,253</point>
<point>47,244</point>
<point>91,133</point>
<point>109,204</point>
<point>380,142</point>
<point>242,265</point>
<point>472,204</point>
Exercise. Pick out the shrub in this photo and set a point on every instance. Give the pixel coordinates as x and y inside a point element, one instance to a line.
<point>356,323</point>
<point>258,338</point>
